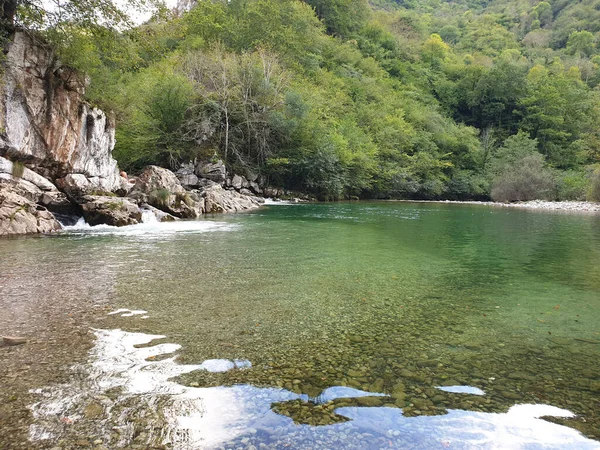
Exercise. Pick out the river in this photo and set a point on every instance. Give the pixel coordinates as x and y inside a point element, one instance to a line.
<point>308,326</point>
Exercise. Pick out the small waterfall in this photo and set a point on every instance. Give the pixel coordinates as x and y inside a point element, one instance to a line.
<point>148,216</point>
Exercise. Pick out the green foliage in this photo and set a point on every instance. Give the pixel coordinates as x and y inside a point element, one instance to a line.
<point>341,99</point>
<point>593,193</point>
<point>527,179</point>
<point>18,168</point>
<point>580,43</point>
<point>160,197</point>
<point>571,185</point>
<point>342,17</point>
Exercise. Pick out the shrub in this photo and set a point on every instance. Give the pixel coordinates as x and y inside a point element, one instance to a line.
<point>18,168</point>
<point>527,179</point>
<point>571,185</point>
<point>160,196</point>
<point>593,193</point>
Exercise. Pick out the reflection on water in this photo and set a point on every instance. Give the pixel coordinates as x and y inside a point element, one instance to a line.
<point>242,415</point>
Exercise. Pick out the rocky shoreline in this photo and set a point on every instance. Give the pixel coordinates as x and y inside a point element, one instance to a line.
<point>570,206</point>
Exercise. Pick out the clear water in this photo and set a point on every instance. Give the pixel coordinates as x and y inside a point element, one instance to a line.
<point>360,325</point>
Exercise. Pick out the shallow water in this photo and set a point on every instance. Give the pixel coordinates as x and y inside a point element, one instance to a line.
<point>363,325</point>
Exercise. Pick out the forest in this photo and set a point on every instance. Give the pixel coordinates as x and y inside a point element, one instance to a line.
<point>345,99</point>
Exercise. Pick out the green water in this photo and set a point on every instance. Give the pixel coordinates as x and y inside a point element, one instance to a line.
<point>392,298</point>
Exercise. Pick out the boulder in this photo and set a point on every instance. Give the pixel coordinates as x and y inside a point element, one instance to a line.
<point>272,192</point>
<point>19,215</point>
<point>186,175</point>
<point>254,186</point>
<point>160,188</point>
<point>219,200</point>
<point>239,182</point>
<point>46,122</point>
<point>8,168</point>
<point>116,211</point>
<point>213,171</point>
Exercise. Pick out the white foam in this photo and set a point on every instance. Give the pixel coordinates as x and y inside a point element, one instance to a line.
<point>150,228</point>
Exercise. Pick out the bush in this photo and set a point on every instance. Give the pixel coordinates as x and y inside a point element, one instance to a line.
<point>527,179</point>
<point>571,185</point>
<point>160,196</point>
<point>593,193</point>
<point>18,168</point>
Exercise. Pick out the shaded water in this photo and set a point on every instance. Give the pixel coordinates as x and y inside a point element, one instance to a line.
<point>295,319</point>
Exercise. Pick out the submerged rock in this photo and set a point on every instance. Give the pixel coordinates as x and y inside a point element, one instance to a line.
<point>19,215</point>
<point>13,340</point>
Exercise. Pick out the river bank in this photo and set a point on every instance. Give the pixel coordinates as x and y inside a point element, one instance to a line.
<point>571,206</point>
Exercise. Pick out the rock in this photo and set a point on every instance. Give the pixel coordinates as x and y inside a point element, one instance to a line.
<point>77,185</point>
<point>116,211</point>
<point>47,123</point>
<point>13,340</point>
<point>218,199</point>
<point>18,215</point>
<point>160,188</point>
<point>272,192</point>
<point>36,188</point>
<point>254,186</point>
<point>186,176</point>
<point>8,167</point>
<point>369,401</point>
<point>58,202</point>
<point>188,180</point>
<point>237,182</point>
<point>23,188</point>
<point>213,171</point>
<point>93,411</point>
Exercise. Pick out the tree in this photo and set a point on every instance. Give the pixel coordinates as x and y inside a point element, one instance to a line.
<point>580,43</point>
<point>342,17</point>
<point>52,13</point>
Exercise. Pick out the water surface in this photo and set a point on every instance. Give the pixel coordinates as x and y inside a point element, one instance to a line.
<point>360,325</point>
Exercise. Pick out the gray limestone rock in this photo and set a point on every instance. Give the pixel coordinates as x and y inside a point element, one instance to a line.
<point>19,215</point>
<point>116,211</point>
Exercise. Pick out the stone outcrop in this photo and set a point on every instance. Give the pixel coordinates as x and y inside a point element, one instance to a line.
<point>19,215</point>
<point>45,123</point>
<point>161,189</point>
<point>213,171</point>
<point>219,200</point>
<point>35,188</point>
<point>116,211</point>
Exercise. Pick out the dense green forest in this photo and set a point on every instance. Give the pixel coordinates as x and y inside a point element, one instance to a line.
<point>348,98</point>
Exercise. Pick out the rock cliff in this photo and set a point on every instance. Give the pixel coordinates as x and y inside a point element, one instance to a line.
<point>46,124</point>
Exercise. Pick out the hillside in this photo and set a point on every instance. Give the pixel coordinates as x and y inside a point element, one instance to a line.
<point>344,98</point>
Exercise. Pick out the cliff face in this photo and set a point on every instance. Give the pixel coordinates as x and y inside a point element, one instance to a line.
<point>45,123</point>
